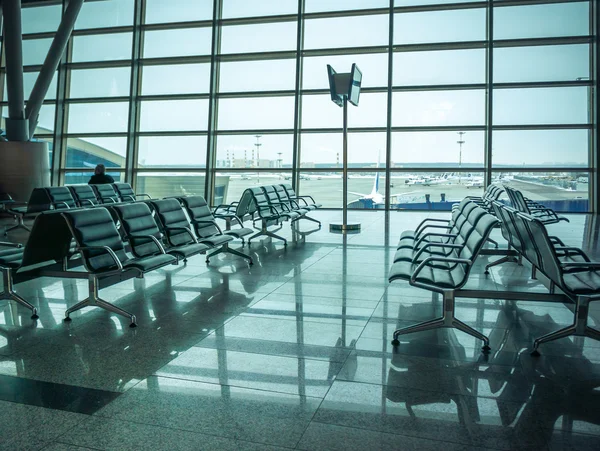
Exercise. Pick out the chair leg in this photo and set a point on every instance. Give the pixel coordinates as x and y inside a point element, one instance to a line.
<point>447,320</point>
<point>494,242</point>
<point>505,259</point>
<point>94,300</point>
<point>238,253</point>
<point>212,254</point>
<point>268,233</point>
<point>311,219</point>
<point>9,293</point>
<point>20,225</point>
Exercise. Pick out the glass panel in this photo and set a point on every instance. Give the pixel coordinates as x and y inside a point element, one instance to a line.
<point>112,82</point>
<point>271,75</point>
<point>374,67</point>
<point>429,2</point>
<point>40,19</point>
<point>105,13</point>
<point>541,106</point>
<point>539,21</point>
<point>88,152</point>
<point>252,8</point>
<point>102,47</point>
<point>168,184</point>
<point>242,151</point>
<point>541,63</point>
<point>159,11</point>
<point>256,113</point>
<point>258,38</point>
<point>98,117</point>
<point>321,150</point>
<point>82,177</point>
<point>438,149</point>
<point>46,119</point>
<point>29,79</point>
<point>313,6</point>
<point>433,190</point>
<point>172,151</point>
<point>182,79</point>
<point>175,115</point>
<point>183,42</point>
<point>561,191</point>
<point>430,108</point>
<point>35,51</point>
<point>366,190</point>
<point>439,26</point>
<point>361,31</point>
<point>540,148</point>
<point>325,187</point>
<point>318,111</point>
<point>439,67</point>
<point>232,184</point>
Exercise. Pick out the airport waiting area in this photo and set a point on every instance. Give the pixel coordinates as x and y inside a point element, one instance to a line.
<point>299,225</point>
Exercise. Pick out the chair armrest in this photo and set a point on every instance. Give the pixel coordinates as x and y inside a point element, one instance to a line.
<point>90,202</point>
<point>432,226</point>
<point>426,262</point>
<point>181,229</point>
<point>104,248</point>
<point>429,245</point>
<point>143,195</point>
<point>209,222</point>
<point>425,221</point>
<point>590,265</point>
<point>428,234</point>
<point>55,204</point>
<point>307,197</point>
<point>575,250</point>
<point>9,244</point>
<point>151,238</point>
<point>556,240</point>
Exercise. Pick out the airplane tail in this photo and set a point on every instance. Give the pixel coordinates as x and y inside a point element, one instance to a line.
<point>376,182</point>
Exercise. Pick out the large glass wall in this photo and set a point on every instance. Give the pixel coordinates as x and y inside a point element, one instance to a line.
<point>210,97</point>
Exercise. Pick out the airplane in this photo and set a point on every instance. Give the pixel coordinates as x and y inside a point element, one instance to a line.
<point>375,197</point>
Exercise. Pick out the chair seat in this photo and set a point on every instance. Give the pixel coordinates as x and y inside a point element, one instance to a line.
<point>410,243</point>
<point>583,282</point>
<point>11,258</point>
<point>216,240</point>
<point>291,214</point>
<point>439,276</point>
<point>150,263</point>
<point>188,250</point>
<point>407,254</point>
<point>238,233</point>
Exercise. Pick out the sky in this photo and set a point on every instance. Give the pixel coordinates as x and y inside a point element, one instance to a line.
<point>533,106</point>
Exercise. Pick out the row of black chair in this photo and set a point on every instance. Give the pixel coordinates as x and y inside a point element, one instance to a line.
<point>537,210</point>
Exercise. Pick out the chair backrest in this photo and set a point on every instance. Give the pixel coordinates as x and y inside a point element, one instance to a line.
<point>39,201</point>
<point>261,202</point>
<point>95,227</point>
<point>61,197</point>
<point>528,248</point>
<point>84,195</point>
<point>171,214</point>
<point>272,198</point>
<point>518,200</point>
<point>106,193</point>
<point>289,190</point>
<point>246,206</point>
<point>283,197</point>
<point>136,221</point>
<point>506,226</point>
<point>202,218</point>
<point>125,191</point>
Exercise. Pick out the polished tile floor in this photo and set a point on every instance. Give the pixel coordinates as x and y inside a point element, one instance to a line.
<point>294,352</point>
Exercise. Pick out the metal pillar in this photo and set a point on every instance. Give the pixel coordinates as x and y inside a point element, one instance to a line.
<point>16,123</point>
<point>57,48</point>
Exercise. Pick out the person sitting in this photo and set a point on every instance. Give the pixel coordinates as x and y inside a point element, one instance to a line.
<point>100,177</point>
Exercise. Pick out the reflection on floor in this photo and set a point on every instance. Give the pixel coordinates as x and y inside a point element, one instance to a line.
<point>294,352</point>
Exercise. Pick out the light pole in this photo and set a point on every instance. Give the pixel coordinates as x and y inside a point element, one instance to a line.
<point>460,142</point>
<point>258,144</point>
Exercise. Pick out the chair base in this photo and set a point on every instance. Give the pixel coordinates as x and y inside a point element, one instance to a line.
<point>579,328</point>
<point>505,259</point>
<point>95,301</point>
<point>10,295</point>
<point>447,320</point>
<point>264,232</point>
<point>19,225</point>
<point>226,249</point>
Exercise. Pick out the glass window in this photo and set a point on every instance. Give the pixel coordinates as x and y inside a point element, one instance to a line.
<point>242,151</point>
<point>438,108</point>
<point>422,149</point>
<point>46,119</point>
<point>252,8</point>
<point>561,191</point>
<point>176,79</point>
<point>172,151</point>
<point>541,106</point>
<point>83,176</point>
<point>35,51</point>
<point>357,31</point>
<point>29,79</point>
<point>258,38</point>
<point>230,186</point>
<point>541,63</point>
<point>540,21</point>
<point>439,67</point>
<point>169,184</point>
<point>256,113</point>
<point>174,115</point>
<point>182,42</point>
<point>439,26</point>
<point>326,188</point>
<point>102,47</point>
<point>88,152</point>
<point>98,117</point>
<point>321,150</point>
<point>159,11</point>
<point>111,82</point>
<point>540,148</point>
<point>270,75</point>
<point>105,13</point>
<point>41,19</point>
<point>429,2</point>
<point>373,66</point>
<point>366,150</point>
<point>318,111</point>
<point>313,6</point>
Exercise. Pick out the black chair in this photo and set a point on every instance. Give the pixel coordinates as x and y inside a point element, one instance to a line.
<point>312,205</point>
<point>264,213</point>
<point>540,212</point>
<point>106,194</point>
<point>11,259</point>
<point>103,255</point>
<point>208,231</point>
<point>293,204</point>
<point>84,195</point>
<point>60,197</point>
<point>37,203</point>
<point>144,236</point>
<point>126,193</point>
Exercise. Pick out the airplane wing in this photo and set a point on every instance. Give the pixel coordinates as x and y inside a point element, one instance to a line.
<point>357,194</point>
